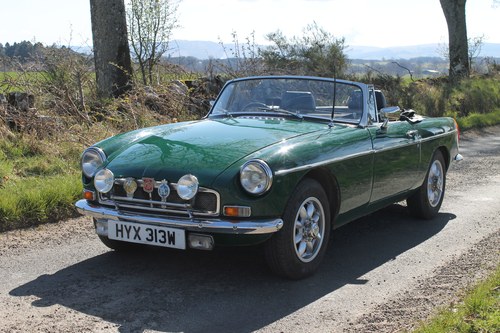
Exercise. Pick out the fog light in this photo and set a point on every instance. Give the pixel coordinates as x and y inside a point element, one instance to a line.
<point>200,242</point>
<point>187,187</point>
<point>101,227</point>
<point>104,180</point>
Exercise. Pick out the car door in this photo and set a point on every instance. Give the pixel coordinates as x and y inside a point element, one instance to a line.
<point>396,158</point>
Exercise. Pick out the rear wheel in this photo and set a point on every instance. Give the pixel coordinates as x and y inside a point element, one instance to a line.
<point>426,201</point>
<point>297,250</point>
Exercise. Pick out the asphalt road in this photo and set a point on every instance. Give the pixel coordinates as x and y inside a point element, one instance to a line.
<point>381,273</point>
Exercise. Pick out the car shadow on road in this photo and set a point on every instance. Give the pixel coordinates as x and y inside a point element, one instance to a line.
<point>229,290</point>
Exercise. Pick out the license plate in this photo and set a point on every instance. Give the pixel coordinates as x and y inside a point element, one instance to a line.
<point>147,234</point>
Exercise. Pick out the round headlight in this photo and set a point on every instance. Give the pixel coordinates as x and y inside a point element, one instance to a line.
<point>256,177</point>
<point>92,159</point>
<point>187,187</point>
<point>104,180</point>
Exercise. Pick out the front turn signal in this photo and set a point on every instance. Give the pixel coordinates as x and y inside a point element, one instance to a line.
<point>237,211</point>
<point>89,195</point>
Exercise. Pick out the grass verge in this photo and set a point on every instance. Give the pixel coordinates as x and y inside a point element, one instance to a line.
<point>478,312</point>
<point>39,180</point>
<point>33,201</point>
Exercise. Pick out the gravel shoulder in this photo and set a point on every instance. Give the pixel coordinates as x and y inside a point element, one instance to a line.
<point>447,283</point>
<point>383,273</point>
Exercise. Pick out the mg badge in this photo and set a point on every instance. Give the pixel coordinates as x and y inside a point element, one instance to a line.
<point>148,185</point>
<point>164,190</point>
<point>130,186</point>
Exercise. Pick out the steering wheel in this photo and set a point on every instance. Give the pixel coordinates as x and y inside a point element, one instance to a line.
<point>255,105</point>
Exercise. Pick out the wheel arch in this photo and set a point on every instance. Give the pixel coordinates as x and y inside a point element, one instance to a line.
<point>329,183</point>
<point>446,155</point>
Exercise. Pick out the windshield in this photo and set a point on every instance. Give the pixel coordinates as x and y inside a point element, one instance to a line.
<point>298,97</point>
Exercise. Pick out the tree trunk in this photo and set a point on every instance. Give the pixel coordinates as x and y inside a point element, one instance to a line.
<point>113,66</point>
<point>454,12</point>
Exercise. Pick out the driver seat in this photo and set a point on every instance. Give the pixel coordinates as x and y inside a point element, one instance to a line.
<point>298,101</point>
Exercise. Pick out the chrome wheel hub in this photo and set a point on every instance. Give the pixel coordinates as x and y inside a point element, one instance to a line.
<point>309,228</point>
<point>435,183</point>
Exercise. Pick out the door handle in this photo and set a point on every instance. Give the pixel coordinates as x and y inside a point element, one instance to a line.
<point>412,134</point>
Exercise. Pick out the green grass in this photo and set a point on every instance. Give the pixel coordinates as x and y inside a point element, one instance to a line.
<point>478,312</point>
<point>17,81</point>
<point>35,200</point>
<point>478,120</point>
<point>39,182</point>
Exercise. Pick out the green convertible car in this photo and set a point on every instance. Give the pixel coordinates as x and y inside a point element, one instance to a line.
<point>279,160</point>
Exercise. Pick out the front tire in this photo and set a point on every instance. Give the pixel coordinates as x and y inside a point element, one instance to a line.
<point>297,250</point>
<point>426,201</point>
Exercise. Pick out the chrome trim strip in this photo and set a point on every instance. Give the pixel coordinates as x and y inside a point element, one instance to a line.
<point>339,159</point>
<point>142,201</point>
<point>120,205</point>
<point>254,227</point>
<point>317,164</point>
<point>399,146</point>
<point>165,207</point>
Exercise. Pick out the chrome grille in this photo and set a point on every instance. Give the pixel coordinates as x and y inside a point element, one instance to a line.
<point>205,203</point>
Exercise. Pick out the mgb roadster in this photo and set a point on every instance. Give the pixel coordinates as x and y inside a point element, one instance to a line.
<point>279,161</point>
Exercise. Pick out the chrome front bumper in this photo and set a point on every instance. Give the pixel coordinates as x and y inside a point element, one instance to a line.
<point>194,224</point>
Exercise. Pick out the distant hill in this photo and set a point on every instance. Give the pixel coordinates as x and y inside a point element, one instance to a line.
<point>212,50</point>
<point>412,51</point>
<point>198,49</point>
<point>206,50</point>
<point>397,52</point>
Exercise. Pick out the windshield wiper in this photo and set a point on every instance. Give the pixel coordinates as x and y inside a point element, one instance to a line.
<point>294,114</point>
<point>223,111</point>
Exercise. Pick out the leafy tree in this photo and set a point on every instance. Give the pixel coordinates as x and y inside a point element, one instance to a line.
<point>317,52</point>
<point>111,51</point>
<point>150,25</point>
<point>454,12</point>
<point>23,52</point>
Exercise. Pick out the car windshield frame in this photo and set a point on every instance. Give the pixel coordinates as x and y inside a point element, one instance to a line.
<point>296,97</point>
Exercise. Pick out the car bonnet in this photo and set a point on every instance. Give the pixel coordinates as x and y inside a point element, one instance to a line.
<point>203,148</point>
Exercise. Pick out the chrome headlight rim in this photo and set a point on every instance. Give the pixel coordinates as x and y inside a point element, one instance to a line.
<point>99,153</point>
<point>104,180</point>
<point>265,170</point>
<point>187,187</point>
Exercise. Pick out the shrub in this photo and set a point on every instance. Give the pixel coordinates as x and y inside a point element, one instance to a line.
<point>438,97</point>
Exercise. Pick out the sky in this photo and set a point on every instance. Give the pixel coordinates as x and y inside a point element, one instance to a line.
<point>379,23</point>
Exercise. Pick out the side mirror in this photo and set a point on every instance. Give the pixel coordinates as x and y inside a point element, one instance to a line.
<point>390,113</point>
